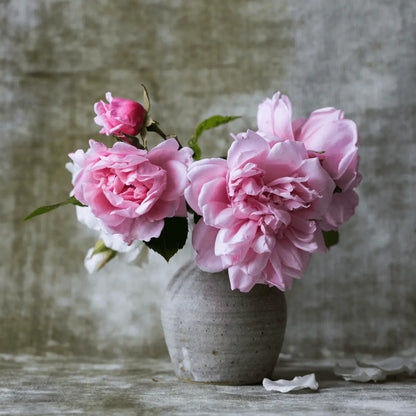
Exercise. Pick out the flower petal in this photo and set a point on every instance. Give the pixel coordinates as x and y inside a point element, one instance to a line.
<point>203,240</point>
<point>274,116</point>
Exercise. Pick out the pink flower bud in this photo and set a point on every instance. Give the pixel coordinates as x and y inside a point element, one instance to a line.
<point>119,116</point>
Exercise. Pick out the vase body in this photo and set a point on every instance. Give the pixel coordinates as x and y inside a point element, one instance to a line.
<point>216,335</point>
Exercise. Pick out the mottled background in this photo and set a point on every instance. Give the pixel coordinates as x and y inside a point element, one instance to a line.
<point>200,58</point>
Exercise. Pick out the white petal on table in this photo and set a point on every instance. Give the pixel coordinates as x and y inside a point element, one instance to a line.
<point>391,365</point>
<point>298,383</point>
<point>370,369</point>
<point>360,374</point>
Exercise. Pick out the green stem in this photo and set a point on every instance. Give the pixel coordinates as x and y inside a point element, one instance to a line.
<point>155,128</point>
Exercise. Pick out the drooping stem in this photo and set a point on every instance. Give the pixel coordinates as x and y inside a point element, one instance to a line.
<point>155,128</point>
<point>136,143</point>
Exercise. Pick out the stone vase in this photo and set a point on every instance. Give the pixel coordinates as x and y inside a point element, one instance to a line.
<point>216,335</point>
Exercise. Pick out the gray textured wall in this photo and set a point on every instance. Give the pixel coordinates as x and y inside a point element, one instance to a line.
<point>200,58</point>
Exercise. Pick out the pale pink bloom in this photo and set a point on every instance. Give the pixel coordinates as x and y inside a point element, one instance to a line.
<point>119,116</point>
<point>259,210</point>
<point>132,191</point>
<point>328,136</point>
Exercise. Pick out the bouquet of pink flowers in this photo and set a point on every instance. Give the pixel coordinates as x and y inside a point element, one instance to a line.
<point>280,194</point>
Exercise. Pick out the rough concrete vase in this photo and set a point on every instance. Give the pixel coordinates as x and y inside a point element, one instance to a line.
<point>216,335</point>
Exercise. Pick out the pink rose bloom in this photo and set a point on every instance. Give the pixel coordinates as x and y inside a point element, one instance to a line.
<point>131,190</point>
<point>258,211</point>
<point>326,130</point>
<point>119,116</point>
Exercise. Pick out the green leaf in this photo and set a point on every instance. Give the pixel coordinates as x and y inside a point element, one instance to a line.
<point>209,123</point>
<point>331,238</point>
<point>43,210</point>
<point>337,190</point>
<point>197,217</point>
<point>172,237</point>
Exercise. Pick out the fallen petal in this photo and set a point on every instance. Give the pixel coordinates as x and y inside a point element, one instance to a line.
<point>391,365</point>
<point>298,383</point>
<point>360,374</point>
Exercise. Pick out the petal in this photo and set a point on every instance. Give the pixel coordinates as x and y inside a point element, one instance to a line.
<point>203,241</point>
<point>351,178</point>
<point>291,257</point>
<point>250,147</point>
<point>108,97</point>
<point>297,126</point>
<point>303,234</point>
<point>127,111</point>
<point>297,383</point>
<point>163,152</point>
<point>86,217</point>
<point>240,280</point>
<point>143,229</point>
<point>213,199</point>
<point>176,180</point>
<point>236,240</point>
<point>337,139</point>
<point>274,275</point>
<point>264,243</point>
<point>284,159</point>
<point>214,191</point>
<point>318,119</point>
<point>217,214</point>
<point>91,261</point>
<point>319,181</point>
<point>199,174</point>
<point>342,207</point>
<point>163,209</point>
<point>274,116</point>
<point>181,211</point>
<point>100,108</point>
<point>254,263</point>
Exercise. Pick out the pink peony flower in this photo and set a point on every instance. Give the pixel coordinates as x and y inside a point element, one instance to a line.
<point>258,211</point>
<point>130,190</point>
<point>119,116</point>
<point>328,136</point>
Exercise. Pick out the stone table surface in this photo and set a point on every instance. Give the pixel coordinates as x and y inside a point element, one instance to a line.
<point>57,385</point>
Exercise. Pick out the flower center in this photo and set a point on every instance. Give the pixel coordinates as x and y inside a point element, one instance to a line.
<point>270,202</point>
<point>125,186</point>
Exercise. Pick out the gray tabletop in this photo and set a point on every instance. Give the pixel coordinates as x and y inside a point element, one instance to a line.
<point>56,385</point>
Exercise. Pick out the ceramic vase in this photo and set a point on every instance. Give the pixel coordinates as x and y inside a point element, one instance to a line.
<point>218,335</point>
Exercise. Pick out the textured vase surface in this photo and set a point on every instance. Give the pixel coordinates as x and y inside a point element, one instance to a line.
<point>216,335</point>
